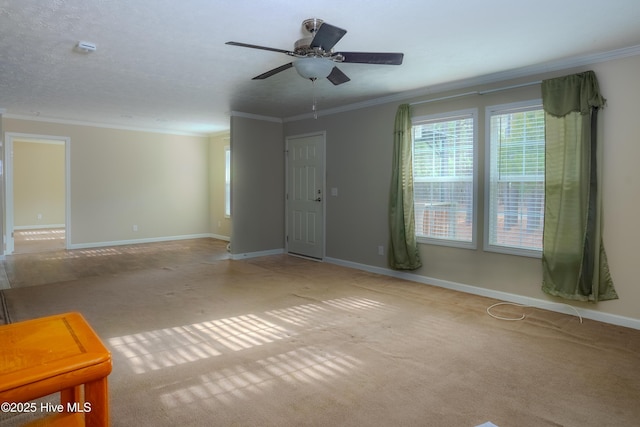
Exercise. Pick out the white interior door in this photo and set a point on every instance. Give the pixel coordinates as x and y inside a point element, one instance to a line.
<point>306,195</point>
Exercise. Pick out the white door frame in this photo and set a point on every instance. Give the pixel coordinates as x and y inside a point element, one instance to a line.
<point>323,134</point>
<point>8,156</point>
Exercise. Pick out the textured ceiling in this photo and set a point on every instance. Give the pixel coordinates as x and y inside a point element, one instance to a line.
<point>164,65</point>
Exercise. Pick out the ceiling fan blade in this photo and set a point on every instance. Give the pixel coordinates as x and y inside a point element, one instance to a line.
<point>327,36</point>
<point>372,57</point>
<point>337,77</point>
<point>274,71</point>
<point>253,46</point>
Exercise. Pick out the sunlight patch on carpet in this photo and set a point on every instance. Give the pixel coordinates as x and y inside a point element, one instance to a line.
<point>302,315</point>
<point>316,314</point>
<point>164,348</point>
<point>174,346</point>
<point>306,365</point>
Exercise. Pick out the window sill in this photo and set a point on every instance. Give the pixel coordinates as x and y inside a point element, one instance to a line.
<point>530,253</point>
<point>446,242</point>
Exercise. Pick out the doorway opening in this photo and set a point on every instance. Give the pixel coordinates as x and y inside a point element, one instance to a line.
<point>37,189</point>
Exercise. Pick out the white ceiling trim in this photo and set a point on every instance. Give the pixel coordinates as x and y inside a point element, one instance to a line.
<point>101,125</point>
<point>256,117</point>
<point>564,64</point>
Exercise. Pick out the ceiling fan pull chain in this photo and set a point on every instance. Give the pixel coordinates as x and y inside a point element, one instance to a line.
<point>315,102</point>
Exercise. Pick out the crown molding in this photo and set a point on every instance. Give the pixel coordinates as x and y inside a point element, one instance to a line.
<point>256,117</point>
<point>101,125</point>
<point>529,71</point>
<point>224,134</point>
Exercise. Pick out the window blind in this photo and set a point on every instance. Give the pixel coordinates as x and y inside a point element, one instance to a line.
<point>443,168</point>
<point>516,178</point>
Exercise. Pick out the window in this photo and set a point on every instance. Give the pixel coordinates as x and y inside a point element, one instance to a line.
<point>515,204</point>
<point>227,181</point>
<point>443,171</point>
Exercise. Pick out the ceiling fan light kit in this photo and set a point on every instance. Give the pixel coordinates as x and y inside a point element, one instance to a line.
<point>313,68</point>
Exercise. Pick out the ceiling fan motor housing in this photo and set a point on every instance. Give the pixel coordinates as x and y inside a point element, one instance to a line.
<point>303,46</point>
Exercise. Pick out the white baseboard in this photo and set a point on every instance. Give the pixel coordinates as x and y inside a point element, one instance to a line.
<point>257,254</point>
<point>599,316</point>
<point>38,226</point>
<point>220,237</point>
<point>138,241</point>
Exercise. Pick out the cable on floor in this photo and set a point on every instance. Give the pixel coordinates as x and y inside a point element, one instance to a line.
<point>522,317</point>
<point>505,318</point>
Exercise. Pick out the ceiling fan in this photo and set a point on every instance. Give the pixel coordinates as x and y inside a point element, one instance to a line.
<point>315,57</point>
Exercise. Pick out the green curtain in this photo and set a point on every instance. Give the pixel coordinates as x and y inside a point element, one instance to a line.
<point>403,247</point>
<point>573,257</point>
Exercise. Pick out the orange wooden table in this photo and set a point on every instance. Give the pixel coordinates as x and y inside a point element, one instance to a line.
<point>60,353</point>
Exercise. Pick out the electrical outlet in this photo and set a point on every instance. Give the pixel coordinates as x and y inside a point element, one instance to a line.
<point>135,228</point>
<point>39,216</point>
<point>380,250</point>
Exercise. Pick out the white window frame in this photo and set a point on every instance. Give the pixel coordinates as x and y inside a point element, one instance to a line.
<point>529,105</point>
<point>453,115</point>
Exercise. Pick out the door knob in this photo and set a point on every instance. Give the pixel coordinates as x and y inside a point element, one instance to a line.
<point>318,199</point>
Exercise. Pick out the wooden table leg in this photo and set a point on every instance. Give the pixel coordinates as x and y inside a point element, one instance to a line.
<point>96,394</point>
<point>71,396</point>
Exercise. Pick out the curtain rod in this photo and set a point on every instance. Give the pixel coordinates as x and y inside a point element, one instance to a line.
<point>477,92</point>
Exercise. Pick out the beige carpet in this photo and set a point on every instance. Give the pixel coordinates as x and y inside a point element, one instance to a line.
<point>282,341</point>
<point>38,240</point>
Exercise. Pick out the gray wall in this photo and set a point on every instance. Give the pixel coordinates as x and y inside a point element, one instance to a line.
<point>257,185</point>
<point>358,162</point>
